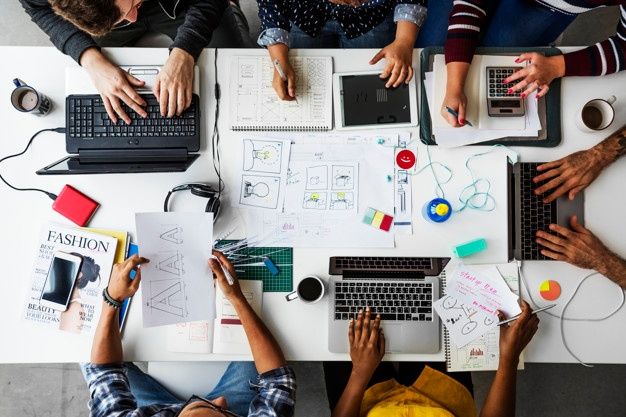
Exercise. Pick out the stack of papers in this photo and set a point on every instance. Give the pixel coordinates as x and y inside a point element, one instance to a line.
<point>485,127</point>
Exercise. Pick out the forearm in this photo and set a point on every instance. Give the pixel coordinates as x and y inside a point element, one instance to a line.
<point>500,401</point>
<point>201,19</point>
<point>349,404</point>
<point>614,268</point>
<point>406,32</point>
<point>457,74</point>
<point>107,342</point>
<point>265,350</point>
<point>611,148</point>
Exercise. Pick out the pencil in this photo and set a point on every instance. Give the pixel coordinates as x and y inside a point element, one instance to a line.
<point>539,310</point>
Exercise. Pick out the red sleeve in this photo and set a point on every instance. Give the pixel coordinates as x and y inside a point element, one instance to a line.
<point>467,20</point>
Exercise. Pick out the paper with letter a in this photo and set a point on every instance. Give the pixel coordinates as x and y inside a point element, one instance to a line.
<point>177,284</point>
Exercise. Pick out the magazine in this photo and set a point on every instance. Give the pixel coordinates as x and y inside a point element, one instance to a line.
<point>83,312</point>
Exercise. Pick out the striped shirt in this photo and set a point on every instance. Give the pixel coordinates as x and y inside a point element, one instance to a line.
<point>469,17</point>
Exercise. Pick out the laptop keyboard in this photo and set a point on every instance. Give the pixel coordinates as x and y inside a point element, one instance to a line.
<point>400,301</point>
<point>87,119</point>
<point>535,215</point>
<point>338,264</point>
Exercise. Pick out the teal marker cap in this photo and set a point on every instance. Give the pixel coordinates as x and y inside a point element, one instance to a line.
<point>470,248</point>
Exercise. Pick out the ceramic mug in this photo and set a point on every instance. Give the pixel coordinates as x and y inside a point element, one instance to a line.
<point>28,100</point>
<point>596,115</point>
<point>309,290</point>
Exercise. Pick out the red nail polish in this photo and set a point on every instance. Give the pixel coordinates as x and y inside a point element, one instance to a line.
<point>523,95</point>
<point>517,60</point>
<point>510,90</point>
<point>462,121</point>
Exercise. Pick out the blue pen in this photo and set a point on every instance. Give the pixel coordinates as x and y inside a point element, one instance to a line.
<point>455,114</point>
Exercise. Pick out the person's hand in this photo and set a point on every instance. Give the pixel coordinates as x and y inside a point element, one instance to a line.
<point>367,345</point>
<point>457,101</point>
<point>577,246</point>
<point>286,90</point>
<point>515,335</point>
<point>568,175</point>
<point>230,291</point>
<point>174,84</point>
<point>538,74</point>
<point>114,85</point>
<point>399,56</point>
<point>121,286</point>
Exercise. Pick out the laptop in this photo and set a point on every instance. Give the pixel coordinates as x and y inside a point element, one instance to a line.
<point>528,213</point>
<point>401,289</point>
<point>97,145</point>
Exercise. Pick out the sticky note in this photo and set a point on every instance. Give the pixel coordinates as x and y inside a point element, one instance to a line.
<point>378,219</point>
<point>386,223</point>
<point>369,216</point>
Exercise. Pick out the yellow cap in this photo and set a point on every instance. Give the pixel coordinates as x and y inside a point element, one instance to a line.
<point>441,209</point>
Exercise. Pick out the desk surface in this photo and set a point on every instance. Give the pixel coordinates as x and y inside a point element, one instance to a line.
<point>122,195</point>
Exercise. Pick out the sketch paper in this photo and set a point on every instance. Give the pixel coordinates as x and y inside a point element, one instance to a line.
<point>264,173</point>
<point>317,186</point>
<point>177,284</point>
<point>464,322</point>
<point>255,105</point>
<point>193,337</point>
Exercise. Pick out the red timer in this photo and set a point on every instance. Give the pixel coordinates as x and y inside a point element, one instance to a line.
<point>405,159</point>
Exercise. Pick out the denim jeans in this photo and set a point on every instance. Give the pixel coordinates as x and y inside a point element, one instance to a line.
<point>234,386</point>
<point>332,36</point>
<point>510,23</point>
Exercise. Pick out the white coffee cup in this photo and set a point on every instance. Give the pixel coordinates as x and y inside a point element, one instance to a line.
<point>310,290</point>
<point>596,115</point>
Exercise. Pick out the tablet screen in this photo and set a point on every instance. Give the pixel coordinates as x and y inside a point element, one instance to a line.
<point>366,101</point>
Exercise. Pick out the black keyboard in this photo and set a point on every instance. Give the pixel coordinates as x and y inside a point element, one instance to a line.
<point>400,301</point>
<point>340,264</point>
<point>87,119</point>
<point>535,214</point>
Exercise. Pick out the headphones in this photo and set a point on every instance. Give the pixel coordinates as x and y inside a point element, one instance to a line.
<point>201,190</point>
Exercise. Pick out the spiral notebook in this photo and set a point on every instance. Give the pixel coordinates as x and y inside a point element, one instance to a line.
<point>255,105</point>
<point>483,354</point>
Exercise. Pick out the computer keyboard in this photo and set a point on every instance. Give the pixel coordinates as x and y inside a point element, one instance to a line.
<point>86,118</point>
<point>340,264</point>
<point>400,301</point>
<point>535,214</point>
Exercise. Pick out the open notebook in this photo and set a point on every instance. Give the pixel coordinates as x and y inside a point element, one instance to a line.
<point>483,354</point>
<point>254,104</point>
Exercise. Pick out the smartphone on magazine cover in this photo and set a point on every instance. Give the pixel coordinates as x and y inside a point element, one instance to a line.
<point>62,275</point>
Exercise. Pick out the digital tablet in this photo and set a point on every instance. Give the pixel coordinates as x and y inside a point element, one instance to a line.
<point>362,101</point>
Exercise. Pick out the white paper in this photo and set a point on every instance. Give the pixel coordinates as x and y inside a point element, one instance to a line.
<point>463,322</point>
<point>255,105</point>
<point>264,173</point>
<point>177,284</point>
<point>193,337</point>
<point>403,190</point>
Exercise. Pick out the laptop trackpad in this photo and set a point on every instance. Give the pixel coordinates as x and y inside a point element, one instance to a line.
<point>566,209</point>
<point>393,337</point>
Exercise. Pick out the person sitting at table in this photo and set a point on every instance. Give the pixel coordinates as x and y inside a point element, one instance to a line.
<point>517,23</point>
<point>569,176</point>
<point>388,24</point>
<point>369,387</point>
<point>79,28</point>
<point>265,387</point>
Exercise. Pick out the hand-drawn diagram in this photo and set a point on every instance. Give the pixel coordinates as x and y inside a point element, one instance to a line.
<point>341,200</point>
<point>260,191</point>
<point>171,262</point>
<point>168,296</point>
<point>172,234</point>
<point>317,177</point>
<point>464,322</point>
<point>315,200</point>
<point>343,177</point>
<point>262,156</point>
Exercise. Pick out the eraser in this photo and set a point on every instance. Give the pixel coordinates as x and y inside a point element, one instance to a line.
<point>75,205</point>
<point>470,248</point>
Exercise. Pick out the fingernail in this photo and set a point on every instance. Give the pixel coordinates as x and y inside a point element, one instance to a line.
<point>367,309</point>
<point>523,95</point>
<point>509,91</point>
<point>551,227</point>
<point>517,60</point>
<point>506,80</point>
<point>462,121</point>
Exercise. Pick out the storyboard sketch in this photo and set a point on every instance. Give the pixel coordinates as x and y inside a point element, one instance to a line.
<point>264,173</point>
<point>464,322</point>
<point>316,186</point>
<point>175,283</point>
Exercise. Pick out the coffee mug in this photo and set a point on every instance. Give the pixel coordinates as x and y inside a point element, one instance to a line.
<point>596,115</point>
<point>28,100</point>
<point>310,290</point>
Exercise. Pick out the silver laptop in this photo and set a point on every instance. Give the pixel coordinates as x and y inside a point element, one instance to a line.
<point>401,289</point>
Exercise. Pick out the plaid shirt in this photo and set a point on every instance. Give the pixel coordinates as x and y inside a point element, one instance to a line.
<point>111,396</point>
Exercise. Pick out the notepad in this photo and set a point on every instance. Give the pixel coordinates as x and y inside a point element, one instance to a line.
<point>254,104</point>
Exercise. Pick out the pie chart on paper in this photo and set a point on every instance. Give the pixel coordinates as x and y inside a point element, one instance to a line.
<point>550,290</point>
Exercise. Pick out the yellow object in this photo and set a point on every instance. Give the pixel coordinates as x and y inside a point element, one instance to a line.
<point>123,240</point>
<point>442,209</point>
<point>378,219</point>
<point>545,286</point>
<point>434,394</point>
<point>315,196</point>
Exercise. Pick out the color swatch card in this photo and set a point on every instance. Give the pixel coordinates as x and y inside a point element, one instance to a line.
<point>377,219</point>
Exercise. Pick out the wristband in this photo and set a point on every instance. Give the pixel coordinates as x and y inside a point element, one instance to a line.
<point>109,300</point>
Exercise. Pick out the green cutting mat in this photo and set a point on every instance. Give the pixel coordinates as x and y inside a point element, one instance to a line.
<point>281,257</point>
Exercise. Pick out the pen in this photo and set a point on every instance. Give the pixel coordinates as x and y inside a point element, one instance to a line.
<point>539,310</point>
<point>281,73</point>
<point>455,114</point>
<point>227,274</point>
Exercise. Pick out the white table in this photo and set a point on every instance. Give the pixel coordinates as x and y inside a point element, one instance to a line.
<point>301,330</point>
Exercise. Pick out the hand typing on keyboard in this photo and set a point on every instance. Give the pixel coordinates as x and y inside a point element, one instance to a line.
<point>367,346</point>
<point>174,84</point>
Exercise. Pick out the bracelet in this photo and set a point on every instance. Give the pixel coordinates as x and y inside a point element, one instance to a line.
<point>109,300</point>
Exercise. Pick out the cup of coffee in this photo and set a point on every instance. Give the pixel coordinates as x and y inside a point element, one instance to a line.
<point>310,290</point>
<point>596,115</point>
<point>28,100</point>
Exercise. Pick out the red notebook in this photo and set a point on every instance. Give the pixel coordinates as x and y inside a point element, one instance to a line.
<point>75,205</point>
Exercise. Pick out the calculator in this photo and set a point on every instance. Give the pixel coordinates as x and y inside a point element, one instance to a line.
<point>499,102</point>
